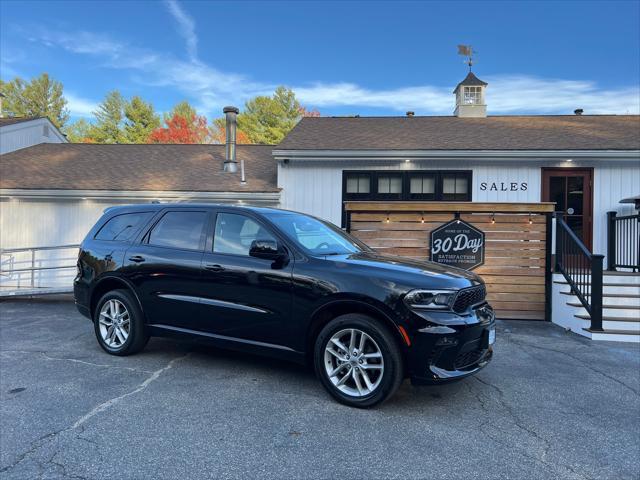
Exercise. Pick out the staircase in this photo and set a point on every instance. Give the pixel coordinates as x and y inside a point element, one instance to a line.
<point>620,307</point>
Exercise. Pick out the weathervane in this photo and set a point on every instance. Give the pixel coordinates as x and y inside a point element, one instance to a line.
<point>467,51</point>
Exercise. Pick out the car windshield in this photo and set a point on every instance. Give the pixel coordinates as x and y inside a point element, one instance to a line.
<point>315,236</point>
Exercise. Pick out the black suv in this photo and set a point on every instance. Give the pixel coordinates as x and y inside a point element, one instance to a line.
<point>286,284</point>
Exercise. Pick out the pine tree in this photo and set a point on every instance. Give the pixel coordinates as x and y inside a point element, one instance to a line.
<point>109,125</point>
<point>140,121</point>
<point>40,97</point>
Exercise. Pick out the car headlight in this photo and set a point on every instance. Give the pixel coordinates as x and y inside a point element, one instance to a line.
<point>430,299</point>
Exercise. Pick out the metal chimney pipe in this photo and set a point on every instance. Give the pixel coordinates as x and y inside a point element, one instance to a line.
<point>230,162</point>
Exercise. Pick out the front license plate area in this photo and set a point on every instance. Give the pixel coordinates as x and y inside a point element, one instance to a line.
<point>488,337</point>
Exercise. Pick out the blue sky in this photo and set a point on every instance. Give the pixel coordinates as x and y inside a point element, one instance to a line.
<point>368,58</point>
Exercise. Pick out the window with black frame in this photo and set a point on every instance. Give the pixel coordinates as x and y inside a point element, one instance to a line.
<point>427,185</point>
<point>455,187</point>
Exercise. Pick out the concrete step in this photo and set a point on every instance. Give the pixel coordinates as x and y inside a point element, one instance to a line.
<point>608,288</point>
<point>615,278</point>
<point>614,335</point>
<point>622,277</point>
<point>618,311</point>
<point>615,323</point>
<point>612,298</point>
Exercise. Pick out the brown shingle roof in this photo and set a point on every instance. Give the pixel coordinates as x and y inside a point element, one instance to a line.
<point>542,132</point>
<point>136,167</point>
<point>4,121</point>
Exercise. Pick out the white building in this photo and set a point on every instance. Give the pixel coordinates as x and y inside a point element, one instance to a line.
<point>584,163</point>
<point>22,132</point>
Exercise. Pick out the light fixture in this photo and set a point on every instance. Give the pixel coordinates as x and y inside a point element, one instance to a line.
<point>530,219</point>
<point>407,161</point>
<point>569,159</point>
<point>387,219</point>
<point>493,218</point>
<point>422,219</point>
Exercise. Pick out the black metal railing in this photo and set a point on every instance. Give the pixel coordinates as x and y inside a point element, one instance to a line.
<point>582,269</point>
<point>623,242</point>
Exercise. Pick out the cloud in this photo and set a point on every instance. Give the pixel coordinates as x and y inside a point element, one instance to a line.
<point>527,94</point>
<point>210,89</point>
<point>505,95</point>
<point>78,106</point>
<point>186,27</point>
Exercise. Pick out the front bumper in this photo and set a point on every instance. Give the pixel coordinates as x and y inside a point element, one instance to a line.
<point>449,346</point>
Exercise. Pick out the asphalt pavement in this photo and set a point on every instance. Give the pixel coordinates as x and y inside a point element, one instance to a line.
<point>551,405</point>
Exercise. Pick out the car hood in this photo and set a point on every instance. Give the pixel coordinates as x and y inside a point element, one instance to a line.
<point>421,273</point>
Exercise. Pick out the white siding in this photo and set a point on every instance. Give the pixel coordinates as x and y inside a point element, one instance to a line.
<point>26,134</point>
<point>610,185</point>
<point>316,187</point>
<point>37,223</point>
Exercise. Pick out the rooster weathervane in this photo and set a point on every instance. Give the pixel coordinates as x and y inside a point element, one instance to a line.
<point>467,51</point>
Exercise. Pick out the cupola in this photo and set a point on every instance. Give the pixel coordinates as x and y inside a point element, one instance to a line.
<point>470,97</point>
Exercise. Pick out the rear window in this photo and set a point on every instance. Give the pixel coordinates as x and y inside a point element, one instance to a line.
<point>179,230</point>
<point>123,227</point>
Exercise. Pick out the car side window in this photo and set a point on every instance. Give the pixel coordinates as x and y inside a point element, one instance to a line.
<point>234,234</point>
<point>123,227</point>
<point>179,230</point>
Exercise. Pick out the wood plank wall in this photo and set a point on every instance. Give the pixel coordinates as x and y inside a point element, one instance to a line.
<point>515,245</point>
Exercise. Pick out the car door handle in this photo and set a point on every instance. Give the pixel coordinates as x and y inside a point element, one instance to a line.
<point>213,267</point>
<point>137,258</point>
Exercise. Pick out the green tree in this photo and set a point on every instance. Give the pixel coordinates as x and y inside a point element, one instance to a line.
<point>109,125</point>
<point>79,132</point>
<point>140,120</point>
<point>40,97</point>
<point>269,119</point>
<point>182,109</point>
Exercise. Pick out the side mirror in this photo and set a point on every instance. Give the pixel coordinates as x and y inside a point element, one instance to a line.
<point>266,249</point>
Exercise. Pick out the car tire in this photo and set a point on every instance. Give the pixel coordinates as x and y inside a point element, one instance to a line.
<point>119,323</point>
<point>380,360</point>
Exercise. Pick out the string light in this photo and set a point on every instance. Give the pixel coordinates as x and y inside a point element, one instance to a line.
<point>387,219</point>
<point>422,219</point>
<point>530,219</point>
<point>493,218</point>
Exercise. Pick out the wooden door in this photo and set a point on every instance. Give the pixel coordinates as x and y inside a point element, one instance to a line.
<point>571,190</point>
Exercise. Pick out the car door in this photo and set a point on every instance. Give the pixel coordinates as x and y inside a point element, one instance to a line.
<point>244,297</point>
<point>165,267</point>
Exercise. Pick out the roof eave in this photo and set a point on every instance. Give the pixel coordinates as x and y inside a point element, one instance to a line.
<point>144,195</point>
<point>282,154</point>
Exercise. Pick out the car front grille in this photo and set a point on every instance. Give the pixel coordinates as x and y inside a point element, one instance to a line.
<point>468,358</point>
<point>468,297</point>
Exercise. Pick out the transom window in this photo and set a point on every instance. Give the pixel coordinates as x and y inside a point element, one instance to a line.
<point>389,184</point>
<point>358,184</point>
<point>455,187</point>
<point>472,95</point>
<point>434,185</point>
<point>422,184</point>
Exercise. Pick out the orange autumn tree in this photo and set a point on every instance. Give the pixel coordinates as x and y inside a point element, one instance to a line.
<point>179,129</point>
<point>219,133</point>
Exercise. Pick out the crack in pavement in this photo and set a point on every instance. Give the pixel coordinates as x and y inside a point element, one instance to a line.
<point>580,361</point>
<point>104,405</point>
<point>46,356</point>
<point>517,421</point>
<point>47,438</point>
